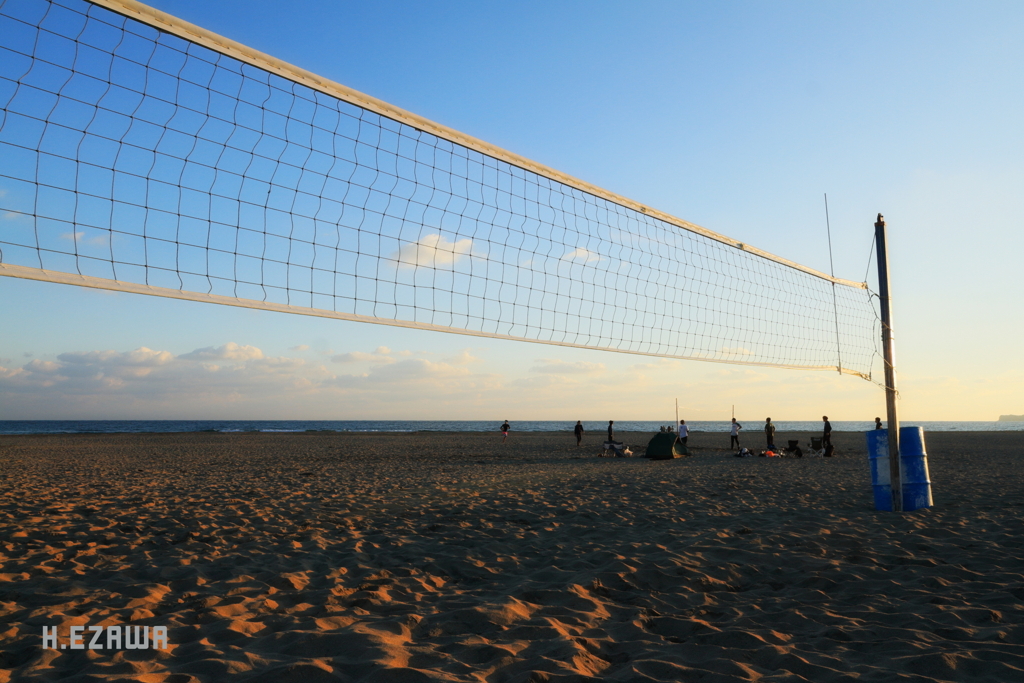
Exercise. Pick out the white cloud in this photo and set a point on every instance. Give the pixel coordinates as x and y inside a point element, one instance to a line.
<point>434,251</point>
<point>464,357</point>
<point>414,374</point>
<point>275,364</point>
<point>229,351</point>
<point>581,255</point>
<point>300,347</point>
<point>101,365</point>
<point>139,357</point>
<point>148,383</point>
<point>363,357</point>
<point>98,239</point>
<point>43,367</point>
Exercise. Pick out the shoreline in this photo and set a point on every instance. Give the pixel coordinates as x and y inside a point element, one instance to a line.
<point>35,427</point>
<point>702,439</point>
<point>383,557</point>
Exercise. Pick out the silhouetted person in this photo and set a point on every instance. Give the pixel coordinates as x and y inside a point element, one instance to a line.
<point>826,434</point>
<point>611,430</point>
<point>769,433</point>
<point>579,433</point>
<point>878,423</point>
<point>504,431</point>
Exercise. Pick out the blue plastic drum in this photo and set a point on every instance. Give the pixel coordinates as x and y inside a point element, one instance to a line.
<point>917,487</point>
<point>878,457</point>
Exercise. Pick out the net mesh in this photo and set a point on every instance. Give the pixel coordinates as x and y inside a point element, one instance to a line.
<point>131,154</point>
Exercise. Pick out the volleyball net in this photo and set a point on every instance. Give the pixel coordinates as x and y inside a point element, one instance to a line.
<point>140,153</point>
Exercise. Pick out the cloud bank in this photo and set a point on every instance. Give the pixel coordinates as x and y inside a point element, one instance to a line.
<point>234,381</point>
<point>239,381</point>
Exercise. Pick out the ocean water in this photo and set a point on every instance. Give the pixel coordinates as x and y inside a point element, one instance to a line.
<point>596,426</point>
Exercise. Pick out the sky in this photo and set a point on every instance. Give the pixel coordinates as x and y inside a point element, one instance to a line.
<point>737,116</point>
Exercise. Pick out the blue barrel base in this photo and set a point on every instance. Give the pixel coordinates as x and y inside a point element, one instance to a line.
<point>883,497</point>
<point>914,478</point>
<point>916,496</point>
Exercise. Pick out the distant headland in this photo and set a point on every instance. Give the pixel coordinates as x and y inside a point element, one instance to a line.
<point>1011,418</point>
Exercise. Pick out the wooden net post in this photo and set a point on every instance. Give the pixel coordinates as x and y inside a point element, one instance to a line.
<point>892,417</point>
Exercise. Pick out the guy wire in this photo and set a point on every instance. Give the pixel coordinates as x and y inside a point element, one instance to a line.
<point>835,304</point>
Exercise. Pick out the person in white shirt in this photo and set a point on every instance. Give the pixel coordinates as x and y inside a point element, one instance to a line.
<point>684,432</point>
<point>734,434</point>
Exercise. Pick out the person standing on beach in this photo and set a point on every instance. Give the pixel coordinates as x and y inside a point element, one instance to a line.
<point>734,434</point>
<point>611,430</point>
<point>504,431</point>
<point>579,433</point>
<point>769,433</point>
<point>826,435</point>
<point>878,423</point>
<point>684,432</point>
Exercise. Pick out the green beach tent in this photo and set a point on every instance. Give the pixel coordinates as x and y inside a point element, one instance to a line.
<point>664,447</point>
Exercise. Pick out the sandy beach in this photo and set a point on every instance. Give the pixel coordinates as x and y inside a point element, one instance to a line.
<point>453,557</point>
